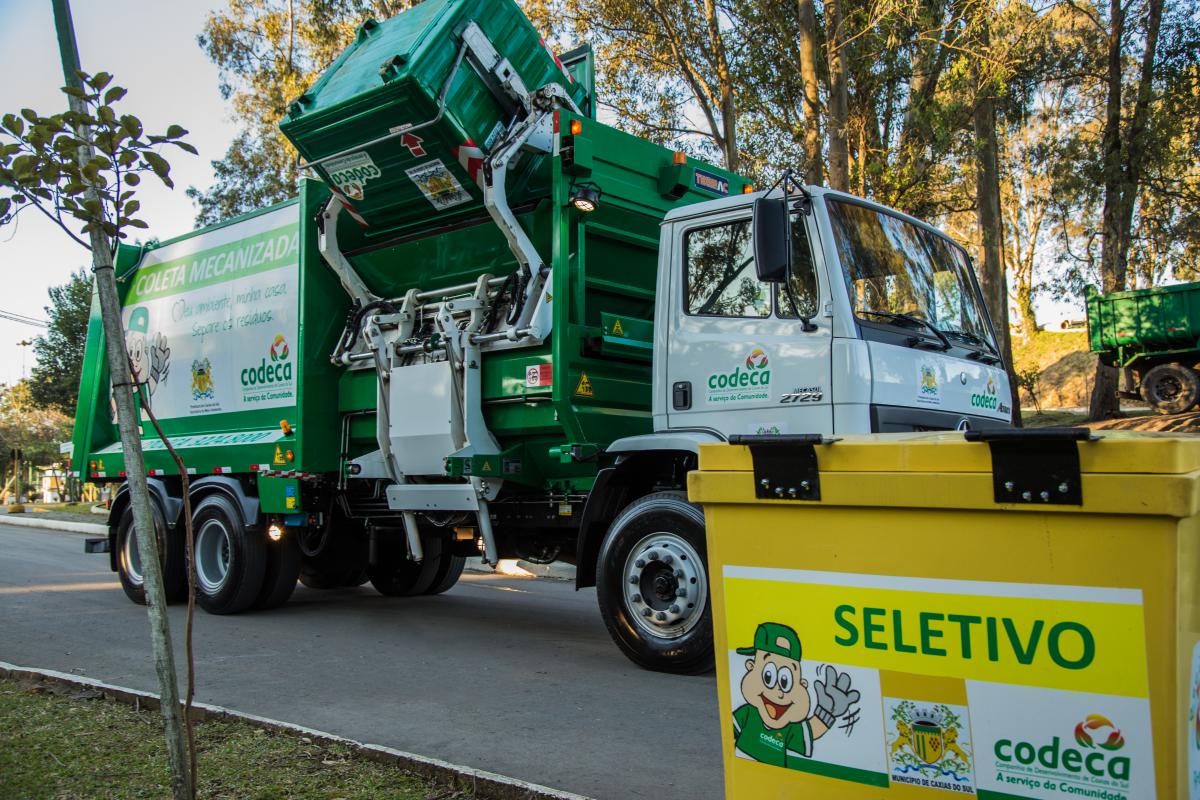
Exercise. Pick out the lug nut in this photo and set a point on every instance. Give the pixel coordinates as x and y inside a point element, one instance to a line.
<point>660,616</point>
<point>640,563</point>
<point>646,612</point>
<point>1026,496</point>
<point>681,592</point>
<point>652,555</point>
<point>633,578</point>
<point>635,598</point>
<point>674,609</point>
<point>678,573</point>
<point>668,559</point>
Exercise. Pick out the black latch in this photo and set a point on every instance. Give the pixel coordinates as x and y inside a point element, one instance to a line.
<point>785,465</point>
<point>681,395</point>
<point>1038,466</point>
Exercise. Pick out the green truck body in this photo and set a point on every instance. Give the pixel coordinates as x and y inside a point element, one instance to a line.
<point>1154,335</point>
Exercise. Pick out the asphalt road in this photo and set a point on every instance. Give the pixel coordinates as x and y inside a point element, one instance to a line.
<point>509,675</point>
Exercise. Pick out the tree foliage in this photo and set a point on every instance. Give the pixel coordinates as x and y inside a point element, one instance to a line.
<point>54,381</point>
<point>28,425</point>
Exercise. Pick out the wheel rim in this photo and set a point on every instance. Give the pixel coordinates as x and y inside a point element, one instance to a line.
<point>665,585</point>
<point>1169,388</point>
<point>212,555</point>
<point>131,558</point>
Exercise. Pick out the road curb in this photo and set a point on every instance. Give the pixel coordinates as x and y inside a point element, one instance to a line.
<point>500,787</point>
<point>54,524</point>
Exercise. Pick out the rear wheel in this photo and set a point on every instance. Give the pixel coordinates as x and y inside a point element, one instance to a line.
<point>394,575</point>
<point>283,568</point>
<point>231,561</point>
<point>333,556</point>
<point>171,549</point>
<point>1171,388</point>
<point>652,584</point>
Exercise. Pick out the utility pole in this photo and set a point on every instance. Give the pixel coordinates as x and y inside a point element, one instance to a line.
<point>24,345</point>
<point>131,442</point>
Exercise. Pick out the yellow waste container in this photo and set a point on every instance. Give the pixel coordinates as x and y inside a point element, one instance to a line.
<point>1009,614</point>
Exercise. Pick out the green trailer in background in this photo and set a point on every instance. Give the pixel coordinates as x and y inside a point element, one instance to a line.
<point>1154,336</point>
<point>492,325</point>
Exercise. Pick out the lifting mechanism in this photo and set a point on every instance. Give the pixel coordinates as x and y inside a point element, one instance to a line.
<point>426,346</point>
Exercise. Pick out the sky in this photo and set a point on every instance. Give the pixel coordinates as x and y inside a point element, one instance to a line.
<point>169,79</point>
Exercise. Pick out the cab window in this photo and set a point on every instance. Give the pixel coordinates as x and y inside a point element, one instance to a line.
<point>720,278</point>
<point>802,301</point>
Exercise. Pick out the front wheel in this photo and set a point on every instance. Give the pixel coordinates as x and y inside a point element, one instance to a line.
<point>1171,388</point>
<point>652,584</point>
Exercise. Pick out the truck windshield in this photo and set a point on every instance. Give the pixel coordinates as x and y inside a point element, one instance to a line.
<point>895,267</point>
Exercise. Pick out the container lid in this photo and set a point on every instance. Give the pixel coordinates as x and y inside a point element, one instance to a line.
<point>1113,472</point>
<point>1122,452</point>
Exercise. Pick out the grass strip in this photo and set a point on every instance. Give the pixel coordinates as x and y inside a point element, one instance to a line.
<point>60,742</point>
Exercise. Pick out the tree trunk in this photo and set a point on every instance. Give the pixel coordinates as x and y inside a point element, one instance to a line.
<point>812,92</point>
<point>725,88</point>
<point>991,228</point>
<point>839,100</point>
<point>131,445</point>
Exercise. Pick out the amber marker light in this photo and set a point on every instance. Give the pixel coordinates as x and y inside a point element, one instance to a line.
<point>679,158</point>
<point>286,427</point>
<point>576,127</point>
<point>748,188</point>
<point>289,455</point>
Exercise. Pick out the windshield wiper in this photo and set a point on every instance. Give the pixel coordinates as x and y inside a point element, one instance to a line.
<point>909,318</point>
<point>978,355</point>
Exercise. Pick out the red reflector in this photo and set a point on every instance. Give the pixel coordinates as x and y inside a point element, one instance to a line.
<point>556,122</point>
<point>254,467</point>
<point>121,473</point>
<point>216,470</point>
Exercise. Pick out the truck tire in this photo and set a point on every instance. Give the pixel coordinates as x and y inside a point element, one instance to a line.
<point>1171,388</point>
<point>172,550</point>
<point>283,569</point>
<point>230,560</point>
<point>335,556</point>
<point>449,571</point>
<point>394,575</point>
<point>653,552</point>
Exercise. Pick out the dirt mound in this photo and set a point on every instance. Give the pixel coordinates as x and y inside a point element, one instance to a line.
<point>1174,423</point>
<point>1067,368</point>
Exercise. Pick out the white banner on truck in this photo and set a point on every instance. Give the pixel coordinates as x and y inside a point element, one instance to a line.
<point>211,321</point>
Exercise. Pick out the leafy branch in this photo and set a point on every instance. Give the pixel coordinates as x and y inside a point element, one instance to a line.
<point>40,167</point>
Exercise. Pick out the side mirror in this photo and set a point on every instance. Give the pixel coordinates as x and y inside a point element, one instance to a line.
<point>772,240</point>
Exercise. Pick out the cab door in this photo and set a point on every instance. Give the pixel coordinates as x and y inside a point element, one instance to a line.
<point>739,359</point>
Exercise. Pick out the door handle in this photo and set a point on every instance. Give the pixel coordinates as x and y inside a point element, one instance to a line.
<point>681,395</point>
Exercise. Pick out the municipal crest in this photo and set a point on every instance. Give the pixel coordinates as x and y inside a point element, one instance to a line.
<point>929,745</point>
<point>202,381</point>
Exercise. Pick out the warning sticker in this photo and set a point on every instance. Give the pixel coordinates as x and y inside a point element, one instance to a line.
<point>438,184</point>
<point>584,389</point>
<point>617,330</point>
<point>279,455</point>
<point>350,173</point>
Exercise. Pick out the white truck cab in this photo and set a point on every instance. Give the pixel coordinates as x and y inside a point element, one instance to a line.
<point>884,328</point>
<point>777,316</point>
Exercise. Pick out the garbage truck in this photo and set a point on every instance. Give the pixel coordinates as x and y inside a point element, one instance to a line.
<point>492,325</point>
<point>1153,336</point>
